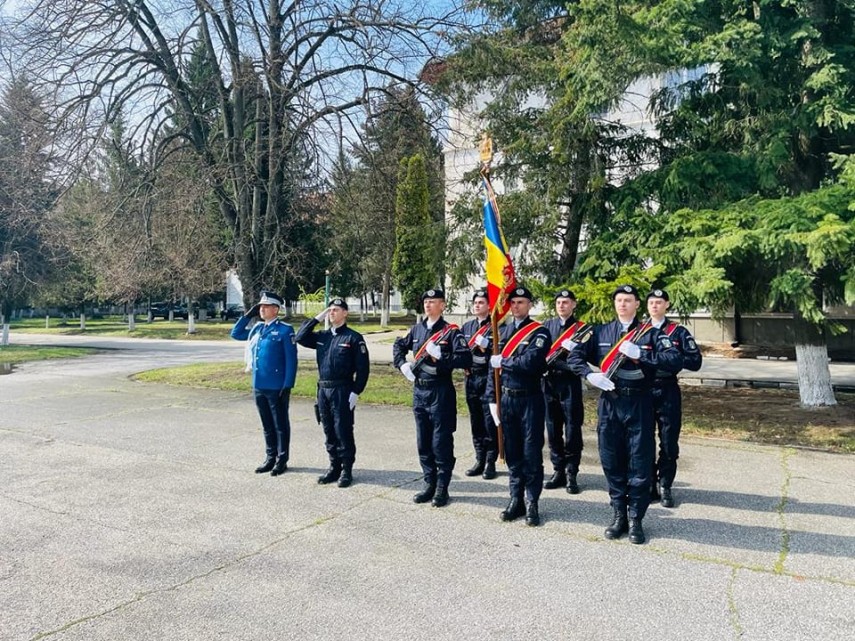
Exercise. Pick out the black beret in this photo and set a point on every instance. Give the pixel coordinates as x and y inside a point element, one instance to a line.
<point>521,292</point>
<point>339,302</point>
<point>626,289</point>
<point>480,293</point>
<point>434,293</point>
<point>565,293</point>
<point>659,293</point>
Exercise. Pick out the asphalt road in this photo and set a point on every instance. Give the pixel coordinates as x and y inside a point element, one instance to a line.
<point>130,511</point>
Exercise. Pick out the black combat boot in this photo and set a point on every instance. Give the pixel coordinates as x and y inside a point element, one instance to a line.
<point>667,499</point>
<point>515,509</point>
<point>489,471</point>
<point>280,468</point>
<point>265,467</point>
<point>559,479</point>
<point>478,468</point>
<point>426,494</point>
<point>636,533</point>
<point>331,475</point>
<point>572,482</point>
<point>619,525</point>
<point>532,516</point>
<point>440,499</point>
<point>346,475</point>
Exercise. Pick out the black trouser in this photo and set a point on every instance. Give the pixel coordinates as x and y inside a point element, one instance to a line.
<point>625,438</point>
<point>480,420</point>
<point>273,409</point>
<point>668,409</point>
<point>337,421</point>
<point>435,411</point>
<point>564,417</point>
<point>522,425</point>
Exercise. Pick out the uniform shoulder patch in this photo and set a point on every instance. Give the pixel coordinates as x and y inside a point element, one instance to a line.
<point>691,345</point>
<point>539,341</point>
<point>293,339</point>
<point>363,348</point>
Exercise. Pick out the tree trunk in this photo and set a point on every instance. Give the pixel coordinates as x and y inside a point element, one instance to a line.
<point>384,302</point>
<point>815,389</point>
<point>4,339</point>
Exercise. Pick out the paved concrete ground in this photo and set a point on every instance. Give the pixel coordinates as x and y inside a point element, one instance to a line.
<point>130,511</point>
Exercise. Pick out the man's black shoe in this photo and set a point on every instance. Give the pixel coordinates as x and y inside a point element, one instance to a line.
<point>330,476</point>
<point>425,495</point>
<point>515,509</point>
<point>559,479</point>
<point>619,525</point>
<point>572,484</point>
<point>667,499</point>
<point>476,469</point>
<point>280,468</point>
<point>346,476</point>
<point>440,499</point>
<point>532,516</point>
<point>636,533</point>
<point>489,472</point>
<point>265,467</point>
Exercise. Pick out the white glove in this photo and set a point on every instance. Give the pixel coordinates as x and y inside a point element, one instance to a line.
<point>433,350</point>
<point>631,350</point>
<point>351,400</point>
<point>482,341</point>
<point>494,412</point>
<point>496,361</point>
<point>568,344</point>
<point>407,371</point>
<point>320,317</point>
<point>600,380</point>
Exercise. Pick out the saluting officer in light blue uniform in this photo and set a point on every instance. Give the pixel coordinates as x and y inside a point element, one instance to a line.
<point>273,358</point>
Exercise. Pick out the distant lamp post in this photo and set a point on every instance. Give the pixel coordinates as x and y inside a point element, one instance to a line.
<point>326,296</point>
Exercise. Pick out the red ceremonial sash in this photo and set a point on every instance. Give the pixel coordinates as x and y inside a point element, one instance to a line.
<point>480,332</point>
<point>567,334</point>
<point>613,354</point>
<point>670,329</point>
<point>518,338</point>
<point>435,339</point>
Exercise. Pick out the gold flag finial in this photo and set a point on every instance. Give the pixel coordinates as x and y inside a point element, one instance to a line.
<point>486,150</point>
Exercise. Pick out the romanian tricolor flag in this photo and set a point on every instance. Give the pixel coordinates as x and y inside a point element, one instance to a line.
<point>501,279</point>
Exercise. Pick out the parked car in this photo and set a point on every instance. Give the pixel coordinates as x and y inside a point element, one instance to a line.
<point>232,311</point>
<point>161,310</point>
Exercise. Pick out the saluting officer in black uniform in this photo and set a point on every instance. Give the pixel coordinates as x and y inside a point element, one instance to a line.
<point>524,344</point>
<point>342,375</point>
<point>438,348</point>
<point>562,390</point>
<point>479,339</point>
<point>625,408</point>
<point>667,400</point>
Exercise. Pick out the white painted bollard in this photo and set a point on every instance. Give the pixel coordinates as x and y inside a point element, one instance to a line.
<point>191,323</point>
<point>47,321</point>
<point>5,339</point>
<point>83,321</point>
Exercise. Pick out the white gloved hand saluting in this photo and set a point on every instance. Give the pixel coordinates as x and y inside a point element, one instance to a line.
<point>496,361</point>
<point>433,350</point>
<point>407,371</point>
<point>631,350</point>
<point>351,400</point>
<point>482,341</point>
<point>601,381</point>
<point>320,317</point>
<point>494,412</point>
<point>568,344</point>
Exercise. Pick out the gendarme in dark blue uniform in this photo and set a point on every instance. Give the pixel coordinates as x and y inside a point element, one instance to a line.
<point>478,335</point>
<point>522,363</point>
<point>562,390</point>
<point>343,368</point>
<point>272,356</point>
<point>625,408</point>
<point>667,399</point>
<point>434,397</point>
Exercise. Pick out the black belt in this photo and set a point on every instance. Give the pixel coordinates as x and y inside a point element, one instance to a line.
<point>432,382</point>
<point>515,392</point>
<point>335,383</point>
<point>629,391</point>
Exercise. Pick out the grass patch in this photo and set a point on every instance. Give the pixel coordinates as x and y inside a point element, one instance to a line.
<point>15,354</point>
<point>213,329</point>
<point>760,416</point>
